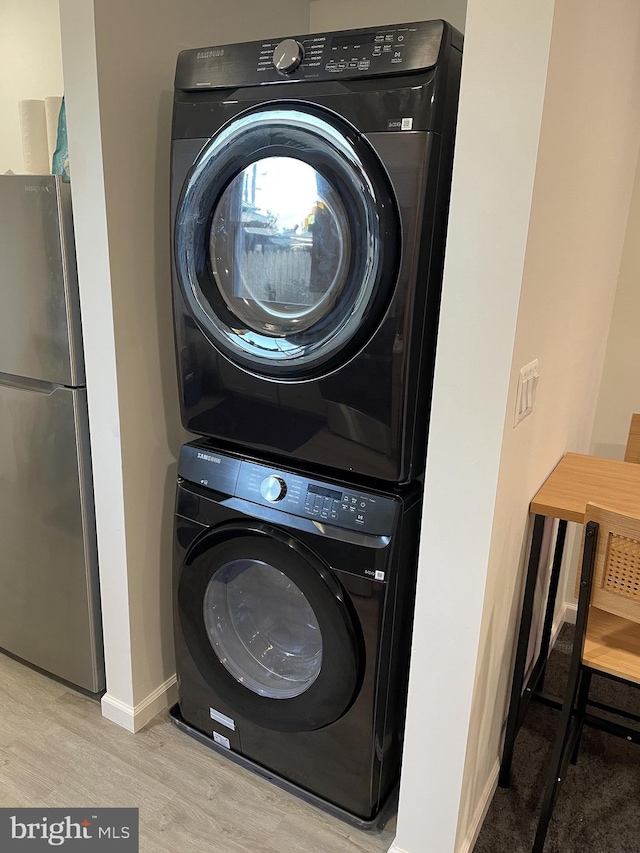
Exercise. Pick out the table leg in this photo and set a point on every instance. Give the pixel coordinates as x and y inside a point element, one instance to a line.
<point>515,714</point>
<point>551,601</point>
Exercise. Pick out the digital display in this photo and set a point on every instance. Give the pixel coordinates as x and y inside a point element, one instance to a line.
<point>344,41</point>
<point>324,492</point>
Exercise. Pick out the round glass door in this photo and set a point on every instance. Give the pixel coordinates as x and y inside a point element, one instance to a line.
<point>286,241</point>
<point>263,629</point>
<point>280,246</point>
<point>269,628</point>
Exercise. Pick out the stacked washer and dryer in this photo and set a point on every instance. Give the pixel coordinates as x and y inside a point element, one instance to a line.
<point>310,189</point>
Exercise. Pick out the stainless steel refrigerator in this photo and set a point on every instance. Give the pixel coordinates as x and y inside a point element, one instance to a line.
<point>49,596</point>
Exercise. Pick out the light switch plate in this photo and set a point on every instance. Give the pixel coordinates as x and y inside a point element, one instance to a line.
<point>526,395</point>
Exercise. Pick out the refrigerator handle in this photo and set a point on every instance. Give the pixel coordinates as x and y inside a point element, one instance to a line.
<point>26,384</point>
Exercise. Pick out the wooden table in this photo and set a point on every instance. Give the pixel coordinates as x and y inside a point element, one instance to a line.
<point>578,480</point>
<point>575,481</point>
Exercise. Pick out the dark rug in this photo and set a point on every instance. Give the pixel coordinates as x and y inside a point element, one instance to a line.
<point>598,808</point>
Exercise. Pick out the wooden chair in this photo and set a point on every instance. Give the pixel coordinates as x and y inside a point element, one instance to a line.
<point>607,637</point>
<point>632,452</point>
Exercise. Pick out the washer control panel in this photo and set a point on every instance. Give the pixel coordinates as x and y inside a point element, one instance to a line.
<point>352,507</point>
<point>322,56</point>
<point>320,501</point>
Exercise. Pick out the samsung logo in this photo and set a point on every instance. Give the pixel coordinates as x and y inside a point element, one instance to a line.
<point>208,458</point>
<point>210,54</point>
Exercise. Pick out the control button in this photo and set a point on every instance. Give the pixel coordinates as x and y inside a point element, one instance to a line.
<point>354,500</point>
<point>363,505</point>
<point>288,55</point>
<point>345,506</point>
<point>400,38</point>
<point>389,37</point>
<point>360,518</point>
<point>273,488</point>
<point>334,514</point>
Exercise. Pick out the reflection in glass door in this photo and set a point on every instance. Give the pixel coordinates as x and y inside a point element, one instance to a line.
<point>263,629</point>
<point>280,242</point>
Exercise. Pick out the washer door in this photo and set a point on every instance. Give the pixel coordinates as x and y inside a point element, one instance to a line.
<point>287,241</point>
<point>267,626</point>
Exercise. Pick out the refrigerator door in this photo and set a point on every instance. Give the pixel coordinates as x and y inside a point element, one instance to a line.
<point>40,333</point>
<point>49,598</point>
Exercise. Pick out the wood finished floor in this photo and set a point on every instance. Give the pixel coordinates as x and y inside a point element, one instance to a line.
<point>56,750</point>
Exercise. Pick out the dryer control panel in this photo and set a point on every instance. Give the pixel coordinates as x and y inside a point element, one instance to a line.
<point>322,56</point>
<point>318,500</point>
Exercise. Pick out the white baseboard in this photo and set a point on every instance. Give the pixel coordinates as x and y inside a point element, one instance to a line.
<point>471,836</point>
<point>134,718</point>
<point>567,613</point>
<point>468,842</point>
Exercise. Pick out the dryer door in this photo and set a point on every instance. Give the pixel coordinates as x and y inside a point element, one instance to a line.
<point>287,241</point>
<point>267,625</point>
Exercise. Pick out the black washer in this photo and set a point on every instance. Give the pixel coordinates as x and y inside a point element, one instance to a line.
<point>293,631</point>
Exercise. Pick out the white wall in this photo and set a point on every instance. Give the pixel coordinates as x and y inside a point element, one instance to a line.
<point>503,83</point>
<point>619,393</point>
<point>119,61</point>
<point>30,67</point>
<point>582,191</point>
<point>336,14</point>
